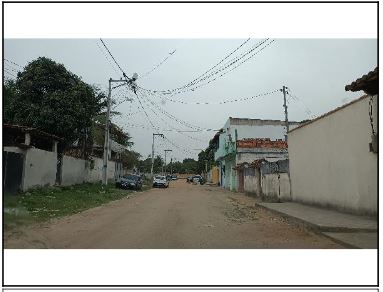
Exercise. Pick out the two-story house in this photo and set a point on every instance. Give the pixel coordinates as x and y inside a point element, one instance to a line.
<point>244,140</point>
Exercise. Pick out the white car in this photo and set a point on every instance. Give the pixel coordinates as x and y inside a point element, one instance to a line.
<point>160,181</point>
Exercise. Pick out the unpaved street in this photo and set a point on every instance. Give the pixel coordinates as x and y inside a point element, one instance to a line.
<point>182,216</point>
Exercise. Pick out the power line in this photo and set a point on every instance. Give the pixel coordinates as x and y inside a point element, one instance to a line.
<point>223,101</point>
<point>306,108</point>
<point>138,98</point>
<point>9,73</point>
<point>224,73</point>
<point>14,63</point>
<point>181,133</point>
<point>106,57</point>
<point>221,61</point>
<point>227,65</point>
<point>175,118</point>
<point>113,58</point>
<point>158,65</point>
<point>11,69</point>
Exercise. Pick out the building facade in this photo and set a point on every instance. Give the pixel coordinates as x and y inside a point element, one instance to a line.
<point>245,140</point>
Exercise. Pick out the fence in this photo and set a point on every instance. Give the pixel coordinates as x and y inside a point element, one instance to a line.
<point>270,180</point>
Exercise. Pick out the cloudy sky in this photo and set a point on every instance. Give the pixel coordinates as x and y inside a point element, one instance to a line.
<point>314,57</point>
<point>315,70</point>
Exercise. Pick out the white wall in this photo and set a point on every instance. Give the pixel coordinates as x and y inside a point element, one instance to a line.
<point>73,171</point>
<point>250,184</point>
<point>330,161</point>
<point>77,171</point>
<point>270,186</point>
<point>39,169</point>
<point>95,173</point>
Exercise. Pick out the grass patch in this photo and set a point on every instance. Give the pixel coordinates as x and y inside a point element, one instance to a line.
<point>42,204</point>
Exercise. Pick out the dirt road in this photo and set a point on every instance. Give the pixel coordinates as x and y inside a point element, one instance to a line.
<point>182,216</point>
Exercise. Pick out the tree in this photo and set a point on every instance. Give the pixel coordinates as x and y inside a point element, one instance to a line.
<point>9,93</point>
<point>130,158</point>
<point>52,99</point>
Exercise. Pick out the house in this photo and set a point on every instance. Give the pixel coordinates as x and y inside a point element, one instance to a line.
<point>245,140</point>
<point>333,158</point>
<point>31,160</point>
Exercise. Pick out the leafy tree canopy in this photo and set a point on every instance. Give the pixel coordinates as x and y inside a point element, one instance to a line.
<point>49,97</point>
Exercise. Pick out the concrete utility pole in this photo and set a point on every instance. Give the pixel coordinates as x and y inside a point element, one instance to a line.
<point>285,106</point>
<point>154,134</point>
<point>106,138</point>
<point>287,130</point>
<point>167,150</point>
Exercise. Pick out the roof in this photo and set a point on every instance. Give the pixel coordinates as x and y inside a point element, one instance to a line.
<point>27,129</point>
<point>369,83</point>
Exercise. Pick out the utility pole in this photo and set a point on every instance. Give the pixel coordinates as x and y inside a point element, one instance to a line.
<point>287,130</point>
<point>167,150</point>
<point>285,106</point>
<point>171,166</point>
<point>107,136</point>
<point>154,134</point>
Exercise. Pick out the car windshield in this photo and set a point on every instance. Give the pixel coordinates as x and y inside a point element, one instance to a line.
<point>159,177</point>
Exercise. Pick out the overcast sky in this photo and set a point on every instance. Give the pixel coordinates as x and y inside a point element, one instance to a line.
<point>316,71</point>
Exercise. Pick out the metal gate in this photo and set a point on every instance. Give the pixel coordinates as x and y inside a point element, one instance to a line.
<point>13,165</point>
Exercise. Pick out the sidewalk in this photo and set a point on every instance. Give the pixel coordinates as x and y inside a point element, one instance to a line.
<point>351,230</point>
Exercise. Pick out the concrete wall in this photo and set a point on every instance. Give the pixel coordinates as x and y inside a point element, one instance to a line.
<point>40,168</point>
<point>95,173</point>
<point>251,184</point>
<point>330,161</point>
<point>271,184</point>
<point>77,171</point>
<point>74,171</point>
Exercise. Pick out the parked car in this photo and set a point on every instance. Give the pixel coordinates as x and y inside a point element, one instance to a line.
<point>168,177</point>
<point>199,179</point>
<point>160,181</point>
<point>196,178</point>
<point>174,177</point>
<point>130,181</point>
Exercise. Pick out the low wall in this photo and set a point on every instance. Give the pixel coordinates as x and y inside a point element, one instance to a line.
<point>40,168</point>
<point>77,171</point>
<point>274,187</point>
<point>74,171</point>
<point>250,181</point>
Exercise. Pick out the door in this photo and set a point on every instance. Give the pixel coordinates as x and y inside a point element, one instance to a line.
<point>241,181</point>
<point>13,165</point>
